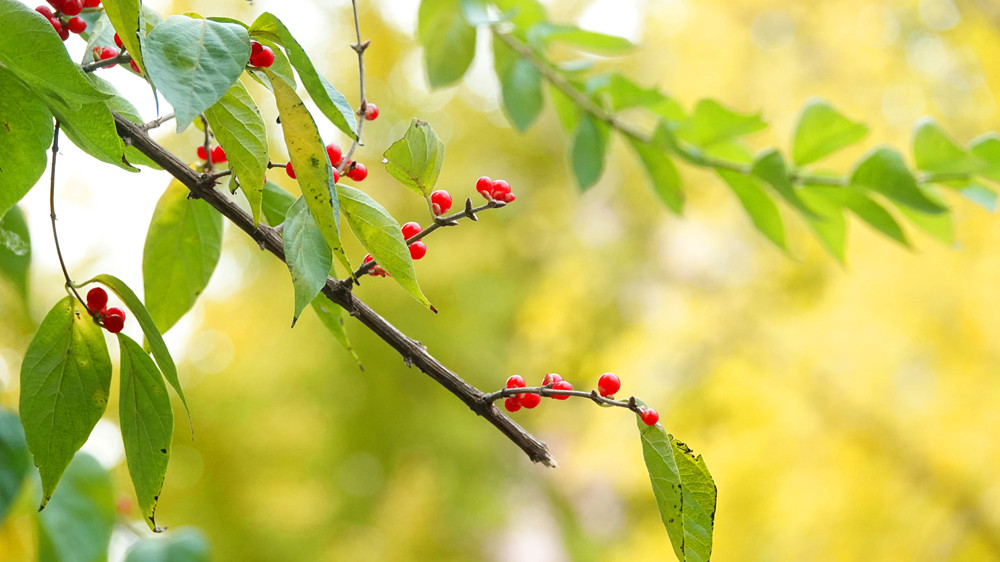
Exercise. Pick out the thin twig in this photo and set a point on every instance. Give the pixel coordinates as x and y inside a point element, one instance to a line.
<point>157,122</point>
<point>52,217</point>
<point>122,58</point>
<point>208,151</point>
<point>360,47</point>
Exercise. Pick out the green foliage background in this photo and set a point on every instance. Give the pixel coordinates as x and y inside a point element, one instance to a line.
<point>845,412</point>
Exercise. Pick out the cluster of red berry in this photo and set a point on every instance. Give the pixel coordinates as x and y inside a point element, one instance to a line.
<point>355,170</point>
<point>66,18</point>
<point>218,154</point>
<point>418,249</point>
<point>113,318</point>
<point>607,386</point>
<point>261,56</point>
<point>496,190</point>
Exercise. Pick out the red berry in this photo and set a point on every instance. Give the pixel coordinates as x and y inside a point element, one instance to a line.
<point>509,198</point>
<point>358,172</point>
<point>97,299</point>
<point>72,7</point>
<point>114,319</point>
<point>202,153</point>
<point>264,58</point>
<point>441,201</point>
<point>410,230</point>
<point>551,378</point>
<point>135,69</point>
<point>57,25</point>
<point>608,384</point>
<point>45,11</point>
<point>333,151</point>
<point>484,186</point>
<point>255,48</point>
<point>109,53</point>
<point>418,250</point>
<point>368,258</point>
<point>118,41</point>
<point>529,401</point>
<point>91,3</point>
<point>371,111</point>
<point>336,176</point>
<point>218,155</point>
<point>56,3</point>
<point>500,188</point>
<point>77,24</point>
<point>64,35</point>
<point>512,404</point>
<point>515,381</point>
<point>649,416</point>
<point>289,170</point>
<point>561,385</point>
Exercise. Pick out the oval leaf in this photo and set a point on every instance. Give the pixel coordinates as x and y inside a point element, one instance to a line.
<point>520,85</point>
<point>276,203</point>
<point>15,251</point>
<point>770,167</point>
<point>193,62</point>
<point>712,123</point>
<point>147,425</point>
<point>587,152</point>
<point>415,160</point>
<point>761,208</point>
<point>306,254</point>
<point>883,170</point>
<point>449,41</point>
<point>821,131</point>
<point>126,18</point>
<point>935,151</point>
<point>25,136</point>
<point>662,173</point>
<point>65,381</point>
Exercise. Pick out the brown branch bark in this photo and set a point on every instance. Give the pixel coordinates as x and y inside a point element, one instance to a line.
<point>339,292</point>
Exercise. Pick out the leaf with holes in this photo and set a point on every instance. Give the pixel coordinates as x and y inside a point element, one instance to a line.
<point>415,160</point>
<point>306,254</point>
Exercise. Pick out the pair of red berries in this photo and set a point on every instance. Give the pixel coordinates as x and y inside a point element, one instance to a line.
<point>218,154</point>
<point>529,401</point>
<point>355,170</point>
<point>418,249</point>
<point>113,318</point>
<point>261,56</point>
<point>496,190</point>
<point>59,20</point>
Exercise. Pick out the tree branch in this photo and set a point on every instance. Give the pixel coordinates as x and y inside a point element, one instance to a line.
<point>203,186</point>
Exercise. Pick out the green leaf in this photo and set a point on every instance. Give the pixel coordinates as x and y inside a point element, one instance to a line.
<point>312,165</point>
<point>181,545</point>
<point>566,110</point>
<point>149,330</point>
<point>183,245</point>
<point>240,130</point>
<point>661,170</point>
<point>25,134</point>
<point>685,492</point>
<point>76,526</point>
<point>827,222</point>
<point>101,33</point>
<point>306,254</point>
<point>761,208</point>
<point>379,234</point>
<point>520,85</point>
<point>123,107</point>
<point>589,41</point>
<point>15,251</point>
<point>92,128</point>
<point>276,203</point>
<point>126,17</point>
<point>449,41</point>
<point>332,103</point>
<point>866,209</point>
<point>987,149</point>
<point>934,151</point>
<point>16,460</point>
<point>981,195</point>
<point>193,62</point>
<point>883,170</point>
<point>624,94</point>
<point>415,160</point>
<point>65,381</point>
<point>711,123</point>
<point>332,317</point>
<point>522,13</point>
<point>821,131</point>
<point>938,225</point>
<point>770,167</point>
<point>587,151</point>
<point>147,425</point>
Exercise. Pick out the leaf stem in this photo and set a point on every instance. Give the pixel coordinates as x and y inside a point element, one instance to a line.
<point>52,217</point>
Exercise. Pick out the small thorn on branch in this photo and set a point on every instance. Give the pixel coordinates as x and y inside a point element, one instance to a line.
<point>469,210</point>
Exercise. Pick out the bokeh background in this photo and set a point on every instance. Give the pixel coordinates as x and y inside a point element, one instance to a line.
<point>846,412</point>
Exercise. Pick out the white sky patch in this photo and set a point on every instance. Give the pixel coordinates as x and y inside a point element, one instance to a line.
<point>614,17</point>
<point>105,444</point>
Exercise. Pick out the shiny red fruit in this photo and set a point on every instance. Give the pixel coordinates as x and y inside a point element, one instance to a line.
<point>649,416</point>
<point>484,186</point>
<point>368,258</point>
<point>114,319</point>
<point>336,176</point>
<point>45,11</point>
<point>64,34</point>
<point>97,299</point>
<point>72,7</point>
<point>255,48</point>
<point>512,404</point>
<point>358,172</point>
<point>109,53</point>
<point>289,170</point>
<point>263,59</point>
<point>57,25</point>
<point>562,385</point>
<point>371,112</point>
<point>410,230</point>
<point>418,250</point>
<point>551,378</point>
<point>202,153</point>
<point>218,155</point>
<point>515,381</point>
<point>91,3</point>
<point>529,401</point>
<point>135,69</point>
<point>333,151</point>
<point>56,3</point>
<point>608,384</point>
<point>441,201</point>
<point>77,24</point>
<point>500,188</point>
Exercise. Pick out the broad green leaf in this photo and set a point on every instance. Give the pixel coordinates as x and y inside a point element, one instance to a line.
<point>99,34</point>
<point>622,93</point>
<point>312,165</point>
<point>827,222</point>
<point>276,203</point>
<point>15,251</point>
<point>332,103</point>
<point>379,233</point>
<point>761,208</point>
<point>661,171</point>
<point>15,460</point>
<point>938,225</point>
<point>180,545</point>
<point>567,111</point>
<point>981,195</point>
<point>240,130</point>
<point>183,245</point>
<point>332,317</point>
<point>522,13</point>
<point>685,492</point>
<point>306,254</point>
<point>126,17</point>
<point>520,85</point>
<point>770,167</point>
<point>415,160</point>
<point>147,424</point>
<point>987,149</point>
<point>866,209</point>
<point>149,330</point>
<point>589,41</point>
<point>883,170</point>
<point>821,131</point>
<point>449,41</point>
<point>587,152</point>
<point>934,151</point>
<point>123,107</point>
<point>77,524</point>
<point>193,62</point>
<point>65,381</point>
<point>31,50</point>
<point>25,136</point>
<point>711,123</point>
